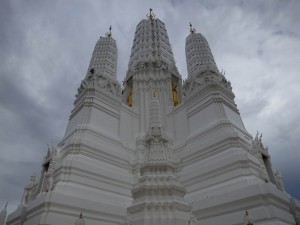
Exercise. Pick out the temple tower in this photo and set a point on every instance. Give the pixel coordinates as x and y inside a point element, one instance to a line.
<point>225,171</point>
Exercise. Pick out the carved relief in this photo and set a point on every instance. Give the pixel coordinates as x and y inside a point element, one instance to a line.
<point>279,180</point>
<point>100,82</point>
<point>151,65</point>
<point>257,146</point>
<point>49,167</point>
<point>261,152</point>
<point>258,150</point>
<point>30,190</point>
<point>48,180</point>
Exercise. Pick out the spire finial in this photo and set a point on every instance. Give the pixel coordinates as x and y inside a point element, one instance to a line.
<point>150,15</point>
<point>6,205</point>
<point>248,219</point>
<point>192,30</point>
<point>108,34</point>
<point>80,220</point>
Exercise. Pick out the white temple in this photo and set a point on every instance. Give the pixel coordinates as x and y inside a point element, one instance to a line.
<point>157,150</point>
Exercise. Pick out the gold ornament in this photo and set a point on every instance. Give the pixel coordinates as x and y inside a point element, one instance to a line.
<point>174,93</point>
<point>129,98</point>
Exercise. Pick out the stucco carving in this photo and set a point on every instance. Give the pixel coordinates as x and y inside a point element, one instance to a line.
<point>279,180</point>
<point>48,180</point>
<point>258,150</point>
<point>101,82</point>
<point>257,146</point>
<point>49,164</point>
<point>30,190</point>
<point>204,79</point>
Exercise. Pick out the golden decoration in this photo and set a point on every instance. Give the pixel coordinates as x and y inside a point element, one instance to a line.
<point>129,98</point>
<point>174,93</point>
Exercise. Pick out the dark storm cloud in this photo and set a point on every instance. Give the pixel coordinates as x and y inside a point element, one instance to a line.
<point>46,47</point>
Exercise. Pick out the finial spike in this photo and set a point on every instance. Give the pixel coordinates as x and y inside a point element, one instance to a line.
<point>150,15</point>
<point>108,34</point>
<point>6,205</point>
<point>192,30</point>
<point>248,219</point>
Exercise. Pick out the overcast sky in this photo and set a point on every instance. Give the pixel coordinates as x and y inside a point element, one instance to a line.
<point>46,46</point>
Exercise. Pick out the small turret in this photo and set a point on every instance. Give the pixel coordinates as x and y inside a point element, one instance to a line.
<point>102,71</point>
<point>104,58</point>
<point>199,57</point>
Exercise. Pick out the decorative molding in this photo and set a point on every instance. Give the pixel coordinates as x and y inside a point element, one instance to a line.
<point>100,82</point>
<point>207,78</point>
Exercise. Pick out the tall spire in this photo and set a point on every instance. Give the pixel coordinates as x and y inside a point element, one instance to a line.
<point>199,57</point>
<point>104,58</point>
<point>151,47</point>
<point>201,65</point>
